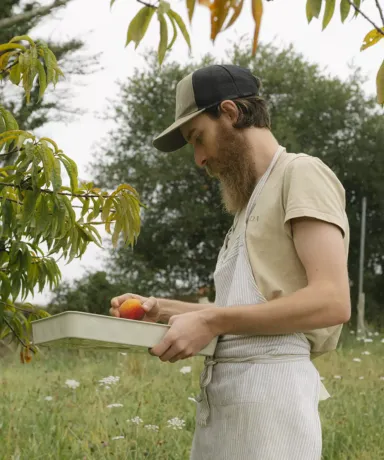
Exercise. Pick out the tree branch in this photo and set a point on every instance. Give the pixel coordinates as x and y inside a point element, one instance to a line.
<point>146,4</point>
<point>380,11</point>
<point>87,195</point>
<point>365,16</point>
<point>17,335</point>
<point>40,11</point>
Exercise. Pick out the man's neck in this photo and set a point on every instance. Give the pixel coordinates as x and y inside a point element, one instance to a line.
<point>263,147</point>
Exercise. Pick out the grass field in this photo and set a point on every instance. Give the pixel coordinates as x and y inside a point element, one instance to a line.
<point>41,417</point>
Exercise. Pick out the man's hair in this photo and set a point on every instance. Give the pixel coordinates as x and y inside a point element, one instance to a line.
<point>253,111</point>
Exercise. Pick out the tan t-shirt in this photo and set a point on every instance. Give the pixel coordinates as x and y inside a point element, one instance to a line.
<point>299,186</point>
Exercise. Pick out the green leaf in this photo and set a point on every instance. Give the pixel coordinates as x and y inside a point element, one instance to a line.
<point>12,46</point>
<point>42,79</point>
<point>85,207</point>
<point>139,25</point>
<point>308,11</point>
<point>48,160</point>
<point>10,122</point>
<point>173,22</point>
<point>372,38</point>
<point>315,6</point>
<point>70,210</point>
<point>191,8</point>
<point>380,84</point>
<point>74,239</point>
<point>328,13</point>
<point>345,7</point>
<point>8,216</point>
<point>182,27</point>
<point>357,3</point>
<point>116,233</point>
<point>56,175</point>
<point>106,209</point>
<point>15,75</point>
<point>29,205</point>
<point>71,168</point>
<point>16,285</point>
<point>20,38</point>
<point>5,288</point>
<point>2,124</point>
<point>163,38</point>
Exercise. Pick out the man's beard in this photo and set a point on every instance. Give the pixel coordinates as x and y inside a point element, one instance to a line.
<point>233,167</point>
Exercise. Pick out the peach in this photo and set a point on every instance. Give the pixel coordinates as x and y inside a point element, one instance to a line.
<point>131,309</point>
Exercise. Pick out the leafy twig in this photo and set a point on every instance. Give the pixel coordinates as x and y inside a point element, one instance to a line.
<point>380,11</point>
<point>365,16</point>
<point>9,67</point>
<point>17,335</point>
<point>17,308</point>
<point>87,195</point>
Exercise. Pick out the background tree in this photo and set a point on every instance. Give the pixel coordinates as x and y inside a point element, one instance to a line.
<point>224,13</point>
<point>184,223</point>
<point>91,293</point>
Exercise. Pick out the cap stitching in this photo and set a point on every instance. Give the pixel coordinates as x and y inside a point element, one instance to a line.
<point>230,76</point>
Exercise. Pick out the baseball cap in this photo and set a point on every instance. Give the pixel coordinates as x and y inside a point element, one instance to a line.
<point>200,90</point>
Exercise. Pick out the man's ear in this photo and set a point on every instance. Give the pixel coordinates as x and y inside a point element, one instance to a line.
<point>229,109</point>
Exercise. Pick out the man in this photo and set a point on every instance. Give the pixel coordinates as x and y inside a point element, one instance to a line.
<point>281,280</point>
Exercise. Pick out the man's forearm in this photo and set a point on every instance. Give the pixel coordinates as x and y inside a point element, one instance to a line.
<point>169,308</point>
<point>307,309</point>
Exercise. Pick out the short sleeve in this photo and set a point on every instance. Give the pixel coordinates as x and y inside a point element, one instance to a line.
<point>311,189</point>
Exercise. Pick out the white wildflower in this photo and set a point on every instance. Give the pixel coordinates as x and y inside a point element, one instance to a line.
<point>361,378</point>
<point>151,427</point>
<point>370,334</point>
<point>107,387</point>
<point>322,378</point>
<point>192,399</point>
<point>135,420</point>
<point>186,369</point>
<point>351,332</point>
<point>110,380</point>
<point>48,398</point>
<point>72,384</point>
<point>368,340</point>
<point>114,405</point>
<point>356,360</point>
<point>382,340</point>
<point>176,423</point>
<point>376,334</point>
<point>117,437</point>
<point>366,353</point>
<point>337,377</point>
<point>123,354</point>
<point>382,378</point>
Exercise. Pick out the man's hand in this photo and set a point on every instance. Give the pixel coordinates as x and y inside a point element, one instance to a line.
<point>189,334</point>
<point>149,304</point>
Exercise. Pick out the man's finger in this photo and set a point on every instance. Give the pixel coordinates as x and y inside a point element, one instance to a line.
<point>114,312</point>
<point>162,347</point>
<point>149,304</point>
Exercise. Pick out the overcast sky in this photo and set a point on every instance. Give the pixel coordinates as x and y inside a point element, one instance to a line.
<point>104,30</point>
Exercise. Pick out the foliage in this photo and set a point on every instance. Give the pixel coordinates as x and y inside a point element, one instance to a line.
<point>22,17</point>
<point>224,13</point>
<point>91,294</point>
<point>36,208</point>
<point>184,226</point>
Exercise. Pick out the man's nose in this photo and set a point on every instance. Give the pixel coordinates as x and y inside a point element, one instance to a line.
<point>200,158</point>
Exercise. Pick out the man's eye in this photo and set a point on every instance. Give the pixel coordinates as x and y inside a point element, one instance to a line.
<point>198,140</point>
